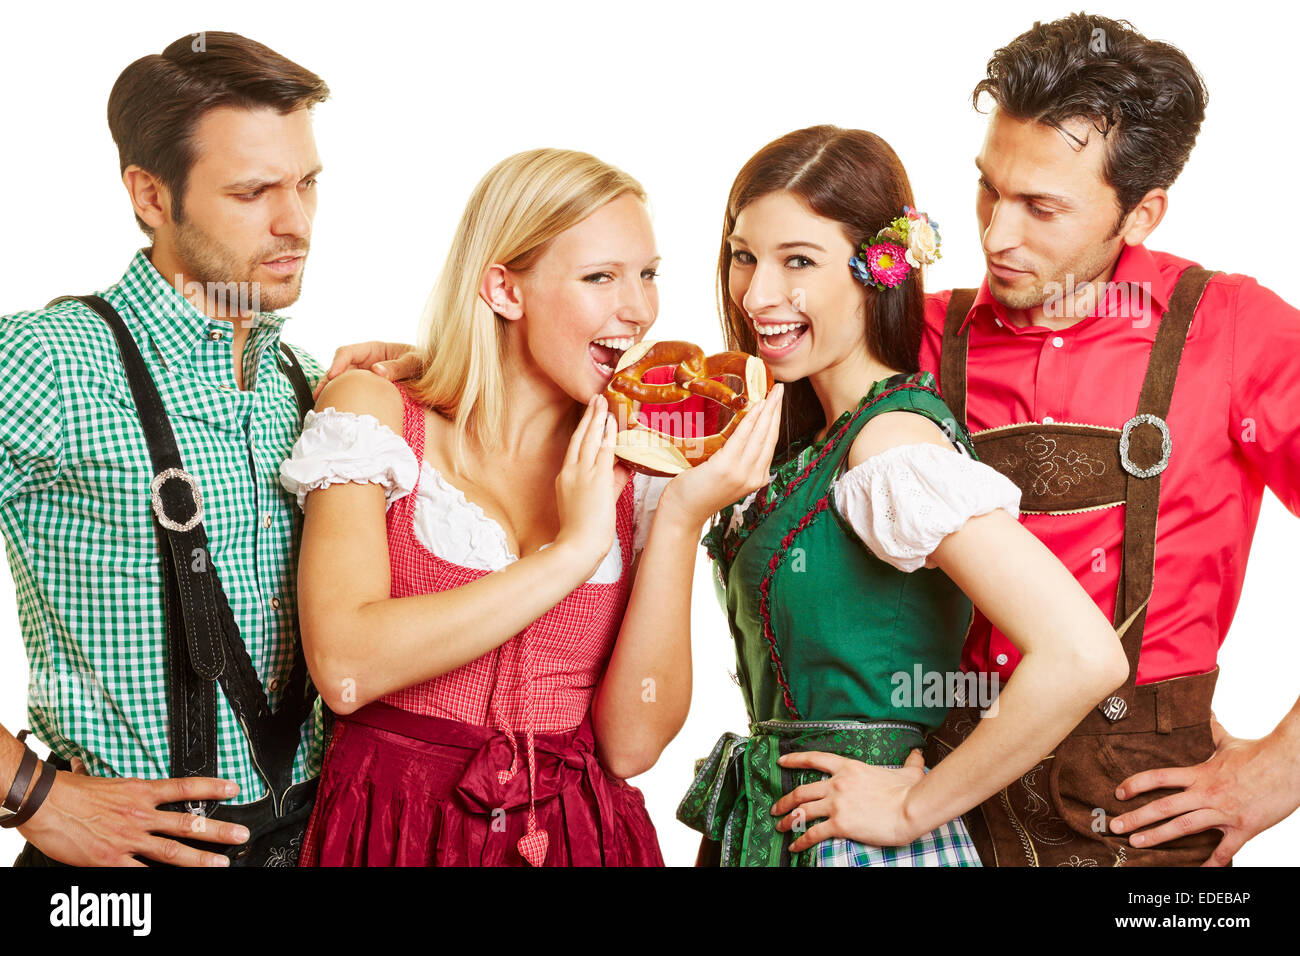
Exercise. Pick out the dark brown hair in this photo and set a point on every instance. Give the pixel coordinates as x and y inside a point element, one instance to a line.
<point>1143,96</point>
<point>856,179</point>
<point>159,99</point>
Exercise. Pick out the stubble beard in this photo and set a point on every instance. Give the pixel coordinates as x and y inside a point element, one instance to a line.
<point>223,275</point>
<point>1078,273</point>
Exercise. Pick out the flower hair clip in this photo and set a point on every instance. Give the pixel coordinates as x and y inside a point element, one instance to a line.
<point>907,243</point>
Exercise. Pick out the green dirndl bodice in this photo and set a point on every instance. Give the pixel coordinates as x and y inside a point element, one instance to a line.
<point>823,630</point>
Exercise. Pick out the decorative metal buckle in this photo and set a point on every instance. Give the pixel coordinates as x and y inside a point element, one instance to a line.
<point>155,495</point>
<point>1166,446</point>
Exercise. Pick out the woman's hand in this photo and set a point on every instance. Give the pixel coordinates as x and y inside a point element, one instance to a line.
<point>860,802</point>
<point>398,359</point>
<point>588,486</point>
<point>740,466</point>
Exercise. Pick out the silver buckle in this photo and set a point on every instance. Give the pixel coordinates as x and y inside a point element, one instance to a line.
<point>155,495</point>
<point>1166,446</point>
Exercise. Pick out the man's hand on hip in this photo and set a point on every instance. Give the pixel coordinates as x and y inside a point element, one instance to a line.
<point>107,821</point>
<point>1244,788</point>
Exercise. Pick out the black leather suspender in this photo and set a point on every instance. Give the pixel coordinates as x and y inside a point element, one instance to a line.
<point>203,641</point>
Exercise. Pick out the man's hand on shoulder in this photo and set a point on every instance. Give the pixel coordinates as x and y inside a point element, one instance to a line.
<point>393,360</point>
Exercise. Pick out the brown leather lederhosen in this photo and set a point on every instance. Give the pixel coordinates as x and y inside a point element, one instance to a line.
<point>1058,813</point>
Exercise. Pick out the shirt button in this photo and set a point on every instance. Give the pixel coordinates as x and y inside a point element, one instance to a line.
<point>1057,341</point>
<point>275,683</point>
<point>275,604</point>
<point>1048,419</point>
<point>216,334</point>
<point>266,521</point>
<point>1001,659</point>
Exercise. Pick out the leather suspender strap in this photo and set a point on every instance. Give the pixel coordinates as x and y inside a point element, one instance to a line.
<point>952,363</point>
<point>203,641</point>
<point>301,389</point>
<point>1145,447</point>
<point>1145,450</point>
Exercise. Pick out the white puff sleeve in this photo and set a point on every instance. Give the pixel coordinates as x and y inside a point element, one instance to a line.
<point>905,500</point>
<point>646,490</point>
<point>337,447</point>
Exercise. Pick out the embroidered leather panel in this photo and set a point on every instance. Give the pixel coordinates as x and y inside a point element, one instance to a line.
<point>1058,467</point>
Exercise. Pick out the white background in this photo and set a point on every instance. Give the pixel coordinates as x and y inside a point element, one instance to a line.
<point>679,95</point>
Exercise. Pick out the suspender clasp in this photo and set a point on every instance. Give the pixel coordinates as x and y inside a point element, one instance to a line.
<point>155,495</point>
<point>1166,446</point>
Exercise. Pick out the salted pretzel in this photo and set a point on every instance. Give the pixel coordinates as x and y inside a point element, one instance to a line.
<point>655,452</point>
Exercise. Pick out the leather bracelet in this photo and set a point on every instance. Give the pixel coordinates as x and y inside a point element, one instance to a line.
<point>26,768</point>
<point>39,792</point>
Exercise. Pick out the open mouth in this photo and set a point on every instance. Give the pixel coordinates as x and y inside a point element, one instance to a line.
<point>605,353</point>
<point>780,338</point>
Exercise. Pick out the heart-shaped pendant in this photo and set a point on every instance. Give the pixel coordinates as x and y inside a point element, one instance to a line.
<point>655,441</point>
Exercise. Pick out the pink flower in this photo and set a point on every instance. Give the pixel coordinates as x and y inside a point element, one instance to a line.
<point>888,263</point>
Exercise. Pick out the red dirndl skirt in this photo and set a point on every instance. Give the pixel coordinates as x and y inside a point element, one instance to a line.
<point>404,789</point>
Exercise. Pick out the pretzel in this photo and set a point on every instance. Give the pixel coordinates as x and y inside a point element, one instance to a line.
<point>654,452</point>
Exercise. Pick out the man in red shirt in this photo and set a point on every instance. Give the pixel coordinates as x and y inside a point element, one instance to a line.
<point>1113,428</point>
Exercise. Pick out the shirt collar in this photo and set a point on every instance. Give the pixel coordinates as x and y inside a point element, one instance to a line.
<point>1136,268</point>
<point>171,320</point>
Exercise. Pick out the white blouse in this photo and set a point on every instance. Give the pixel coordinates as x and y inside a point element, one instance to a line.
<point>903,501</point>
<point>337,447</point>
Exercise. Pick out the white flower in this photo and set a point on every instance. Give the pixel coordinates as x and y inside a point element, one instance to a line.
<point>922,243</point>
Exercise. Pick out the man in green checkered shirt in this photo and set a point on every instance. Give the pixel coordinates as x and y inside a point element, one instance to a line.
<point>218,158</point>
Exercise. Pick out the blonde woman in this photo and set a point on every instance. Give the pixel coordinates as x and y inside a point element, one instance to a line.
<point>481,590</point>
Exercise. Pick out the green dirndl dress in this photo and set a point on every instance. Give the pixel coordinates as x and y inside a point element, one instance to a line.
<point>822,629</point>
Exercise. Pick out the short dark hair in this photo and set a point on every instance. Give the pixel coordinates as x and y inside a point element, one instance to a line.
<point>1143,96</point>
<point>855,178</point>
<point>159,99</point>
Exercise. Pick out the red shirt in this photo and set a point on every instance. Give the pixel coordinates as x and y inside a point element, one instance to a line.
<point>1235,422</point>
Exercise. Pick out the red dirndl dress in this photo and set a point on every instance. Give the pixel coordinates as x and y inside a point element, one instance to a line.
<point>433,775</point>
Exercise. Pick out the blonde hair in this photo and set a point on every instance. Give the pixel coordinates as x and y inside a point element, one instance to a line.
<point>523,203</point>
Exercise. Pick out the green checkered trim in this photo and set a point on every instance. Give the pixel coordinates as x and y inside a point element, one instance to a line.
<point>75,514</point>
<point>949,844</point>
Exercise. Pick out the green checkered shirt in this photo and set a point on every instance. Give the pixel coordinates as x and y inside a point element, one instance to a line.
<point>76,517</point>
